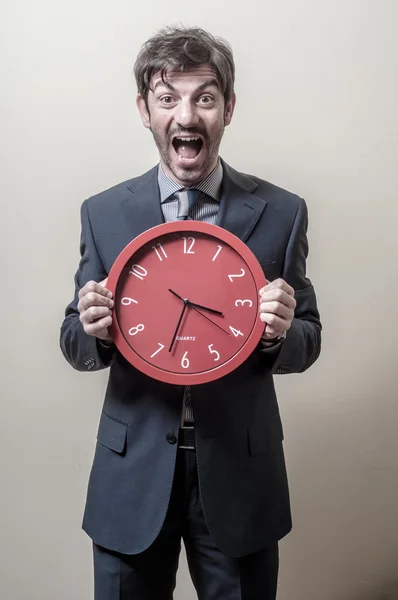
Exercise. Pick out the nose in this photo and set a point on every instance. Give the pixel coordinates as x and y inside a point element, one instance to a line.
<point>186,114</point>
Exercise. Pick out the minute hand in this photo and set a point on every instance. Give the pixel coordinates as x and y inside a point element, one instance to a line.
<point>178,325</point>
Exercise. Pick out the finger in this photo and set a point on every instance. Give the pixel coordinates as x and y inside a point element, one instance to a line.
<point>278,284</point>
<point>98,288</point>
<point>274,325</point>
<point>103,284</point>
<point>278,295</point>
<point>99,328</point>
<point>278,309</point>
<point>93,299</point>
<point>94,313</point>
<point>270,333</point>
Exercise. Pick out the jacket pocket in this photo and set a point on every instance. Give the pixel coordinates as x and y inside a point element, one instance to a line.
<point>265,435</point>
<point>112,433</point>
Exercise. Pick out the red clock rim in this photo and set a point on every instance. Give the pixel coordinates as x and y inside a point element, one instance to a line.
<point>173,227</point>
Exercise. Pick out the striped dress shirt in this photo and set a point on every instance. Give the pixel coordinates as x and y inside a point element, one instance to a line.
<point>205,209</point>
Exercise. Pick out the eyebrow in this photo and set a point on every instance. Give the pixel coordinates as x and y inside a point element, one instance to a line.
<point>202,86</point>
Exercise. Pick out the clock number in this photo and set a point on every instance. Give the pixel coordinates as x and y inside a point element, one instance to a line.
<point>242,302</point>
<point>217,253</point>
<point>137,329</point>
<point>185,361</point>
<point>161,348</point>
<point>231,277</point>
<point>236,332</point>
<point>157,251</point>
<point>138,271</point>
<point>189,251</point>
<point>127,301</point>
<point>212,351</point>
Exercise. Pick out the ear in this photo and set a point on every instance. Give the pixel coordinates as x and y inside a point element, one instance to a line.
<point>142,107</point>
<point>229,110</point>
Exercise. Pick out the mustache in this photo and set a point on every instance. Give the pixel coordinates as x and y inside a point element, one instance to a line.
<point>189,132</point>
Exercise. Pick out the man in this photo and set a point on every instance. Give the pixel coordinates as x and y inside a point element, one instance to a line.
<point>224,491</point>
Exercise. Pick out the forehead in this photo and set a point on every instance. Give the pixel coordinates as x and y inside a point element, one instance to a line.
<point>189,78</point>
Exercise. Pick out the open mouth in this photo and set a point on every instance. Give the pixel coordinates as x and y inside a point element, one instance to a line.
<point>187,148</point>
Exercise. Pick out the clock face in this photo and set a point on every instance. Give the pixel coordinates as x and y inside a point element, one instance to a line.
<point>186,302</point>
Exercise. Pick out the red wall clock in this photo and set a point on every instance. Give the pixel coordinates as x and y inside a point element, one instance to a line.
<point>186,302</point>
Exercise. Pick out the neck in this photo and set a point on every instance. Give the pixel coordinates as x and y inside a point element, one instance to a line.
<point>189,183</point>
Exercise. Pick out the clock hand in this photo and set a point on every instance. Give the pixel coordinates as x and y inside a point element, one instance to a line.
<point>178,325</point>
<point>176,295</point>
<point>212,310</point>
<point>194,308</point>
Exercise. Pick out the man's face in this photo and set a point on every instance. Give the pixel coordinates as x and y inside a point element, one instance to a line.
<point>187,116</point>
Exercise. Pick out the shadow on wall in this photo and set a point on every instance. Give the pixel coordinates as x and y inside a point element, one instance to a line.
<point>387,592</point>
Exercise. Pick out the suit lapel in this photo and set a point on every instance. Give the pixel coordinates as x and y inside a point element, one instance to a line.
<point>239,208</point>
<point>239,211</point>
<point>141,208</point>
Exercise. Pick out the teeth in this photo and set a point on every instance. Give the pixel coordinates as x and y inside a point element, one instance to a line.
<point>188,139</point>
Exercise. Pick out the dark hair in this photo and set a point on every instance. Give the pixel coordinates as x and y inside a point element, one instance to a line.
<point>184,48</point>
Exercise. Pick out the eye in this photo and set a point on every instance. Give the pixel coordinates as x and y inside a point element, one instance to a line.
<point>206,100</point>
<point>167,100</point>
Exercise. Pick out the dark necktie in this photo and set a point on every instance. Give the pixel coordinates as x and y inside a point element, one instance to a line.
<point>186,201</point>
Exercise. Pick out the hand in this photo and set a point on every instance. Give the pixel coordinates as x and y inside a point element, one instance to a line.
<point>212,310</point>
<point>178,324</point>
<point>277,306</point>
<point>95,304</point>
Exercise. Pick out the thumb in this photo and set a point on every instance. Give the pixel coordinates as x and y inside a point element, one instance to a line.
<point>103,283</point>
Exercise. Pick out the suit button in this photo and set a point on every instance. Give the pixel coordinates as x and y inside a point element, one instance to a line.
<point>171,438</point>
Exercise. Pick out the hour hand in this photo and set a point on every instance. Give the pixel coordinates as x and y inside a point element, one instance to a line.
<point>211,310</point>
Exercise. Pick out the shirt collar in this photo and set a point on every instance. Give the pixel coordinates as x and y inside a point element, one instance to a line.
<point>211,186</point>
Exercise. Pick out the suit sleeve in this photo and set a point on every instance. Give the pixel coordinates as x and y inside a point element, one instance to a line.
<point>302,345</point>
<point>82,351</point>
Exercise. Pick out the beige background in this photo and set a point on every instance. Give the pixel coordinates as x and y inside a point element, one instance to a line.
<point>317,87</point>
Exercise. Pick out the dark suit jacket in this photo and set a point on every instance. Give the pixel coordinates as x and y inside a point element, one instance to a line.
<point>239,435</point>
